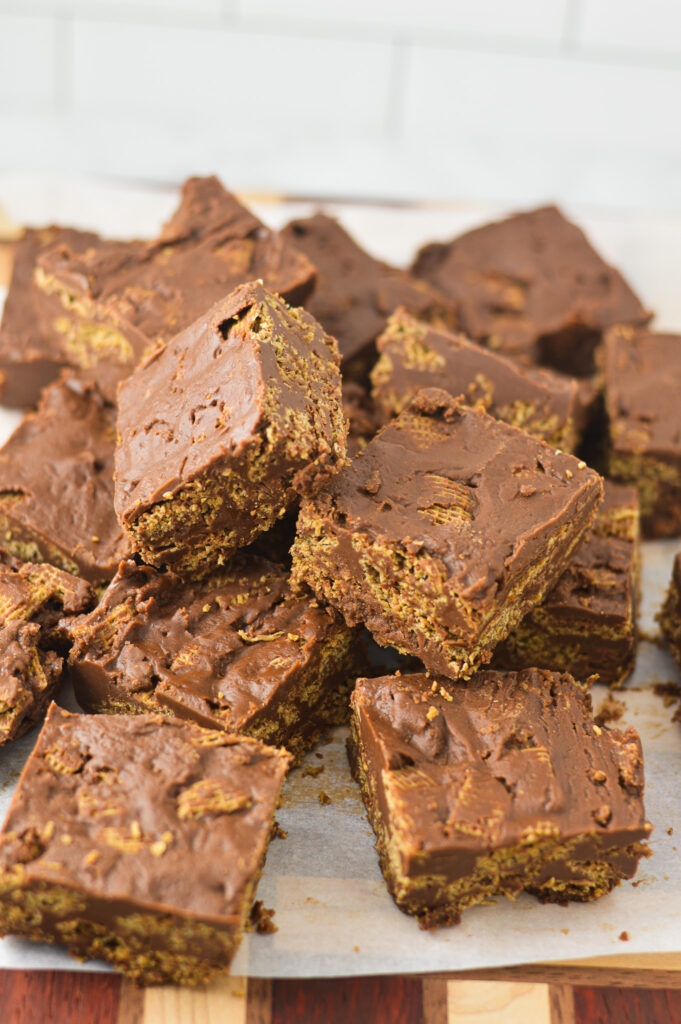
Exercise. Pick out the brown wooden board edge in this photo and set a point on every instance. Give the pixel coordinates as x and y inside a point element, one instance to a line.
<point>649,970</point>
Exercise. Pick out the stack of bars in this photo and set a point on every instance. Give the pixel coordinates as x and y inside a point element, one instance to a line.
<point>252,457</point>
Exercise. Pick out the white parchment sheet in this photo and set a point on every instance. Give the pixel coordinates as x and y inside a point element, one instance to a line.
<point>331,906</point>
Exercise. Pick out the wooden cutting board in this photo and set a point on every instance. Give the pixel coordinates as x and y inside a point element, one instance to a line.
<point>57,997</point>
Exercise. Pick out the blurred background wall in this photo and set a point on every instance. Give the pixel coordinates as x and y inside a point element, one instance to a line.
<point>510,100</point>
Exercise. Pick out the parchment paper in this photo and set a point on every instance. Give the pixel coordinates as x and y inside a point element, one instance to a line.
<point>332,908</point>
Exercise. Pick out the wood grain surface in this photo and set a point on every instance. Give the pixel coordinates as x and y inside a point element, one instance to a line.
<point>63,997</point>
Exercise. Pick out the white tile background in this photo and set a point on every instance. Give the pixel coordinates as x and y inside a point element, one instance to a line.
<point>514,102</point>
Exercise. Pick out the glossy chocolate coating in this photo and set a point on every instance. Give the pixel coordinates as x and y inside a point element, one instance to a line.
<point>533,287</point>
<point>355,293</point>
<point>248,396</point>
<point>150,828</point>
<point>229,654</point>
<point>506,761</point>
<point>56,483</point>
<point>454,506</point>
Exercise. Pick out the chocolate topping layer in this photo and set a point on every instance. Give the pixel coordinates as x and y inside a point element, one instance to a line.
<point>355,293</point>
<point>532,286</point>
<point>238,653</point>
<point>449,520</point>
<point>144,830</point>
<point>56,483</point>
<point>31,353</point>
<point>414,355</point>
<point>508,761</point>
<point>221,430</point>
<point>122,302</point>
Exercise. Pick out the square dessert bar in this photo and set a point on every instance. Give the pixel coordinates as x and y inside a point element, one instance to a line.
<point>444,532</point>
<point>119,303</point>
<point>139,840</point>
<point>413,355</point>
<point>56,483</point>
<point>31,355</point>
<point>221,430</point>
<point>642,374</point>
<point>239,653</point>
<point>355,293</point>
<point>587,624</point>
<point>502,785</point>
<point>533,287</point>
<point>37,605</point>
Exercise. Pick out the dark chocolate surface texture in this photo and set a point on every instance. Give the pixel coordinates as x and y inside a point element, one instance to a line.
<point>222,430</point>
<point>138,840</point>
<point>587,624</point>
<point>31,354</point>
<point>238,653</point>
<point>642,372</point>
<point>56,483</point>
<point>413,355</point>
<point>497,786</point>
<point>120,303</point>
<point>444,532</point>
<point>355,293</point>
<point>37,605</point>
<point>533,287</point>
